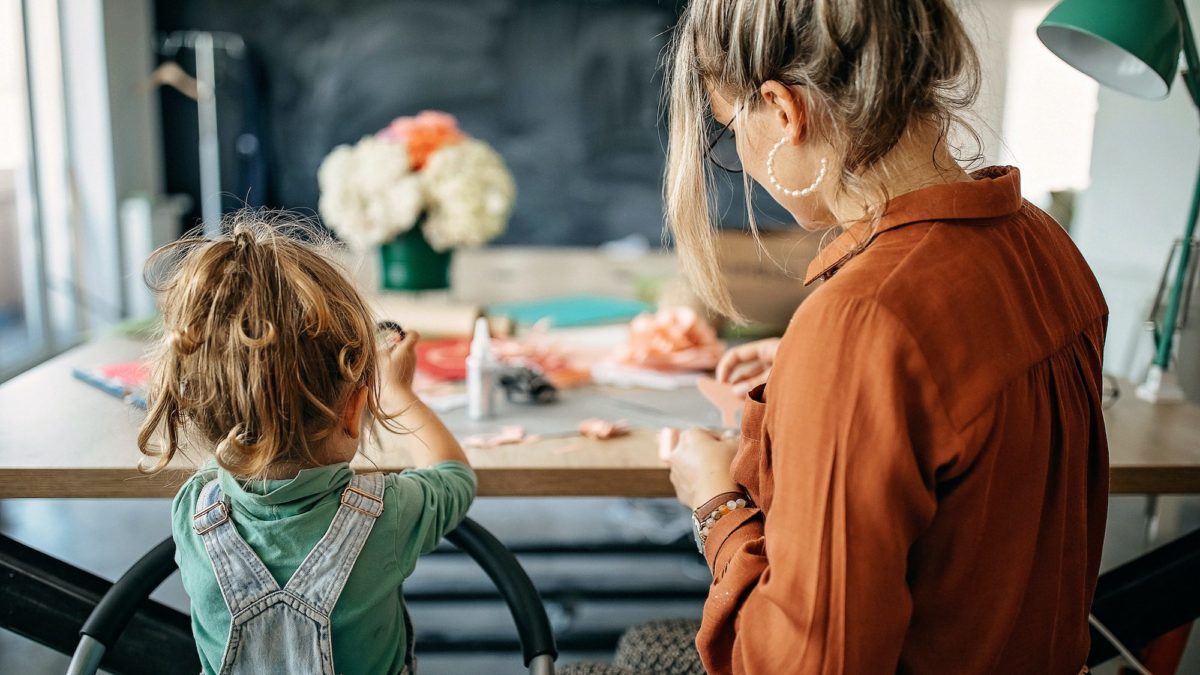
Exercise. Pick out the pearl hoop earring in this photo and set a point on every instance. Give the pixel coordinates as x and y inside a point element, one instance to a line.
<point>775,182</point>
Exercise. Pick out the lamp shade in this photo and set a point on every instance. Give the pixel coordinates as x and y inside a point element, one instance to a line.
<point>1129,45</point>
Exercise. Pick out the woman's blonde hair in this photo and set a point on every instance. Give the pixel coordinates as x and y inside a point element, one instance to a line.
<point>264,340</point>
<point>868,70</point>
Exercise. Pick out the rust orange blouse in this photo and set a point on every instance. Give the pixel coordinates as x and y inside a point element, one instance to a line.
<point>928,455</point>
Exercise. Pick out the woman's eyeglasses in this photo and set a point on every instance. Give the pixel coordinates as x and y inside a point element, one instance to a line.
<point>722,147</point>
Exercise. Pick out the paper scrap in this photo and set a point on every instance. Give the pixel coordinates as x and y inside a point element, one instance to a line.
<point>603,430</point>
<point>510,435</point>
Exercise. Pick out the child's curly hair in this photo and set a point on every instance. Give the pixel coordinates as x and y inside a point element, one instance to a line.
<point>263,341</point>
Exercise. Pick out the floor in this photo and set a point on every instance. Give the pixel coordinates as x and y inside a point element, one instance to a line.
<point>72,530</point>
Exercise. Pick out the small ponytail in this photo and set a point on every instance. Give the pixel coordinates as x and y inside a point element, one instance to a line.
<point>264,339</point>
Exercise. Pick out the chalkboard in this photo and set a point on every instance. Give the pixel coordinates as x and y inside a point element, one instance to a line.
<point>569,92</point>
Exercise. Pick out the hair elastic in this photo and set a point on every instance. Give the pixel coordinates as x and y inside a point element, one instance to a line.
<point>389,326</point>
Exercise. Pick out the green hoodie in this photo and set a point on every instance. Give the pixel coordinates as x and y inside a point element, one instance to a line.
<point>282,520</point>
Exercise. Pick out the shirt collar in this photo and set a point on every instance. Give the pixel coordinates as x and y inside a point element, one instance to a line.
<point>271,498</point>
<point>995,192</point>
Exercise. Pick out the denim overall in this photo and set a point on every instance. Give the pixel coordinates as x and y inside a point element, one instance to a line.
<point>286,630</point>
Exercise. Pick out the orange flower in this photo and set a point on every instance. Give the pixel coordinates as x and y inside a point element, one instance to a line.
<point>673,339</point>
<point>424,134</point>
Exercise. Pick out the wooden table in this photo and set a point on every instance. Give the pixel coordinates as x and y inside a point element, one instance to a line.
<point>62,438</point>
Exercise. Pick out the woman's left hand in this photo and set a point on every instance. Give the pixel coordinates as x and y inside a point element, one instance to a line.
<point>700,467</point>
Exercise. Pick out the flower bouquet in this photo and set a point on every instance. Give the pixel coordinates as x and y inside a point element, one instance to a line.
<point>417,189</point>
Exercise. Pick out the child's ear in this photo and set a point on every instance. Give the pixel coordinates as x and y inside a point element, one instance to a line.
<point>351,421</point>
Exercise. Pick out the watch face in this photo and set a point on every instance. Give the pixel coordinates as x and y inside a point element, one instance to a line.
<point>696,533</point>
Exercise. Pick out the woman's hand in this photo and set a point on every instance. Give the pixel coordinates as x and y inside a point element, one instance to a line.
<point>700,467</point>
<point>747,366</point>
<point>396,367</point>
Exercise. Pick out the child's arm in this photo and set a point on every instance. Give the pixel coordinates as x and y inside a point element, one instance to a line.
<point>397,365</point>
<point>435,499</point>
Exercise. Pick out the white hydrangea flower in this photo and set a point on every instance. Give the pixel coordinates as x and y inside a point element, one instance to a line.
<point>369,195</point>
<point>470,194</point>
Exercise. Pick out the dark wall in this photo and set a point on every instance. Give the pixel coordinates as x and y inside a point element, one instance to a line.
<point>568,92</point>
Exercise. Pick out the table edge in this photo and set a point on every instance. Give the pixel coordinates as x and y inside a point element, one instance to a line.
<point>40,483</point>
<point>49,483</point>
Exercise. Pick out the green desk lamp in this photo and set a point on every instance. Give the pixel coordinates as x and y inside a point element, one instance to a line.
<point>1133,46</point>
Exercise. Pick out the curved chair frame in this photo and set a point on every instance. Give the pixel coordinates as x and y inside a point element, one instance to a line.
<point>114,611</point>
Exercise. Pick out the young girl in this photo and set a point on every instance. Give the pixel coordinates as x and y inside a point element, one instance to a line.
<point>270,360</point>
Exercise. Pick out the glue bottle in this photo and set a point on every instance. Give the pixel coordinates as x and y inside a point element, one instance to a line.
<point>481,374</point>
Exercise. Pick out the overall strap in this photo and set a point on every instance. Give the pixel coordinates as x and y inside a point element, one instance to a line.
<point>241,575</point>
<point>320,578</point>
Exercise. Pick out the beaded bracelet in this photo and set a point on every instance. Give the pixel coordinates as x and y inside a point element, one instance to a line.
<point>703,522</point>
<point>702,511</point>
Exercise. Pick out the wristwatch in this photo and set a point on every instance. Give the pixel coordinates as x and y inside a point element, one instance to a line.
<point>713,510</point>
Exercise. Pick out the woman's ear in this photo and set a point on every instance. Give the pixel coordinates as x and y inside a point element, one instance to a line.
<point>788,108</point>
<point>352,413</point>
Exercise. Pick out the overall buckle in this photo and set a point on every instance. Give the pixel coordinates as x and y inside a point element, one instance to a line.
<point>199,517</point>
<point>369,497</point>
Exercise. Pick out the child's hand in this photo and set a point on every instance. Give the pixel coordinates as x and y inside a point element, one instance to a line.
<point>397,363</point>
<point>396,367</point>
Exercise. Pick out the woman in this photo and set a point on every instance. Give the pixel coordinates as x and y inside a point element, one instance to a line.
<point>924,474</point>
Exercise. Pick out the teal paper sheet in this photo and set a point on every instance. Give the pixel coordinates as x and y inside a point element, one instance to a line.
<point>574,310</point>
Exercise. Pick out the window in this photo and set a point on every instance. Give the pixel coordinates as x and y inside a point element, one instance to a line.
<point>1049,112</point>
<point>38,259</point>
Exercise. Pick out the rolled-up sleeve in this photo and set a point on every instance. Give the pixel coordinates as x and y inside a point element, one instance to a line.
<point>817,583</point>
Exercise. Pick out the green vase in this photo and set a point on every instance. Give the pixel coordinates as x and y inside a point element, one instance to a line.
<point>409,263</point>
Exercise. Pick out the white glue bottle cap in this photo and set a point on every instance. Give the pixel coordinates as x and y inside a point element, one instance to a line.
<point>481,343</point>
<point>481,370</point>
